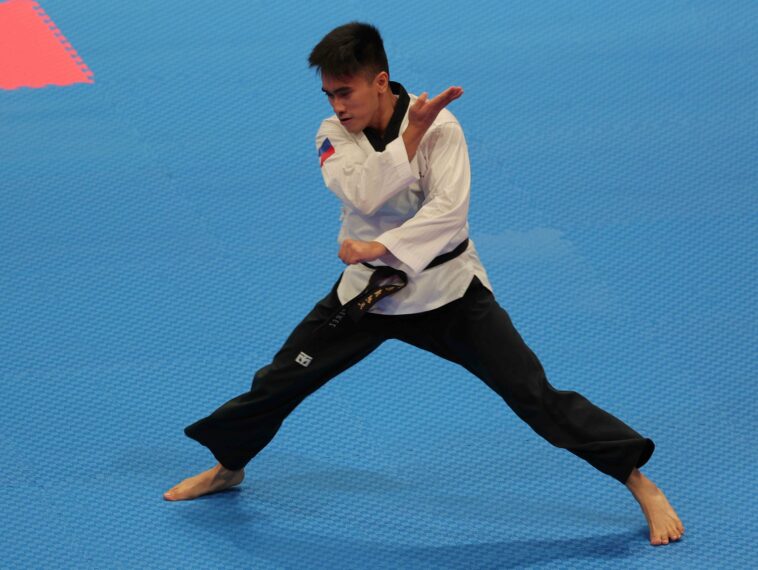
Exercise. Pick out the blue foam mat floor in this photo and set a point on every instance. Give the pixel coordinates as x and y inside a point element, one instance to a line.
<point>164,229</point>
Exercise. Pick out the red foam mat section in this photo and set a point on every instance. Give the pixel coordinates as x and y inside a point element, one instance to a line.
<point>33,51</point>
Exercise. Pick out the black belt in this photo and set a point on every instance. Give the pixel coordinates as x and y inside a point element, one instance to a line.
<point>385,280</point>
<point>359,305</point>
<point>459,249</point>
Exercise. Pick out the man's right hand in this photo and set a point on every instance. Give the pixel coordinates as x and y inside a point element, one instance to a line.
<point>421,115</point>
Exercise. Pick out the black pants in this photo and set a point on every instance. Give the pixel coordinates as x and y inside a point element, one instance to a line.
<point>473,331</point>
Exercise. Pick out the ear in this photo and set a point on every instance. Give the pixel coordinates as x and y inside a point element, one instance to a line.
<point>382,81</point>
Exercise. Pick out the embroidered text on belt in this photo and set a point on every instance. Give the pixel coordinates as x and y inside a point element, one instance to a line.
<point>384,281</point>
<point>375,289</point>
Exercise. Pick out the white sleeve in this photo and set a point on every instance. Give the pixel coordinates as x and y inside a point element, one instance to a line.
<point>445,209</point>
<point>363,182</point>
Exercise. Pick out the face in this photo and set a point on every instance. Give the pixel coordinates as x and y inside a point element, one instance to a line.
<point>355,99</point>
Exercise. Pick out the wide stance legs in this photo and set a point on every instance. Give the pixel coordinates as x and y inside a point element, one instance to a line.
<point>473,331</point>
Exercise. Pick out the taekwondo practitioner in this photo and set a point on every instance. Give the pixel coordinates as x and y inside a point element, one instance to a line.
<point>400,166</point>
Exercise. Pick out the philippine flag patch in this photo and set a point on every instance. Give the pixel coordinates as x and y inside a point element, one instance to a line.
<point>325,151</point>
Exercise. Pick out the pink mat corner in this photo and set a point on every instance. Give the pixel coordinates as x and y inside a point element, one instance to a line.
<point>33,52</point>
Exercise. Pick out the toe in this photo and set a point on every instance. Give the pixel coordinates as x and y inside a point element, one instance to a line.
<point>172,494</point>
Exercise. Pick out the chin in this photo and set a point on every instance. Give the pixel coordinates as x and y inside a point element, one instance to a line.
<point>353,126</point>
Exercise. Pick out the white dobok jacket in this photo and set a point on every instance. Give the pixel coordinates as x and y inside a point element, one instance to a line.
<point>417,210</point>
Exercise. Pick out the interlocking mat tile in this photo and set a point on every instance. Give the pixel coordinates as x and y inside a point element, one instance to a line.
<point>164,228</point>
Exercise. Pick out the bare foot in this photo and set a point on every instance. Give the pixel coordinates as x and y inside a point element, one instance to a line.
<point>661,518</point>
<point>216,479</point>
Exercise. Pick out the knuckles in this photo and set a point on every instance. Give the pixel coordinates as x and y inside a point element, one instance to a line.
<point>348,251</point>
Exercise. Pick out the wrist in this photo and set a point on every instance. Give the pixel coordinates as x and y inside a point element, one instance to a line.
<point>414,132</point>
<point>411,138</point>
<point>379,248</point>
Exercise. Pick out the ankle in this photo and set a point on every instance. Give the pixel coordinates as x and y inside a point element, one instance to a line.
<point>221,470</point>
<point>638,484</point>
<point>635,479</point>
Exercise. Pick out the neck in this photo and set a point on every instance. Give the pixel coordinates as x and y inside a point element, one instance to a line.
<point>383,115</point>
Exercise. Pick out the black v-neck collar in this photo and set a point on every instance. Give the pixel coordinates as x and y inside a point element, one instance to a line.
<point>393,127</point>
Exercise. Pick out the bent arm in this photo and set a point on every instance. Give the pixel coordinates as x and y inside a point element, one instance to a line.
<point>445,209</point>
<point>363,182</point>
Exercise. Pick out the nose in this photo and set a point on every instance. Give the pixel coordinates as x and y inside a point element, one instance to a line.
<point>338,106</point>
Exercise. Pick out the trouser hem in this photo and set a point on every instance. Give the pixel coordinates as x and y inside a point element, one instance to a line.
<point>639,458</point>
<point>229,458</point>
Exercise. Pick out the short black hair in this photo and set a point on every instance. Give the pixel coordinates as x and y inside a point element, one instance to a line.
<point>348,50</point>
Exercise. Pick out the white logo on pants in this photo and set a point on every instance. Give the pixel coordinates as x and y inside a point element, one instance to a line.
<point>303,359</point>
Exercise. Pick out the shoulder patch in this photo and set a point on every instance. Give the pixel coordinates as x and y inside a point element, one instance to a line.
<point>325,151</point>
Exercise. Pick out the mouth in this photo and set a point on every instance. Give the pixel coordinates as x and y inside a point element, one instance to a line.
<point>345,120</point>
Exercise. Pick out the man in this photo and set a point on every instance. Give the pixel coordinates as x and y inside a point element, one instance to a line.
<point>400,166</point>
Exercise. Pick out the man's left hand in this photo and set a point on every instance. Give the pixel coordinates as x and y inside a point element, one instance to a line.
<point>354,251</point>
